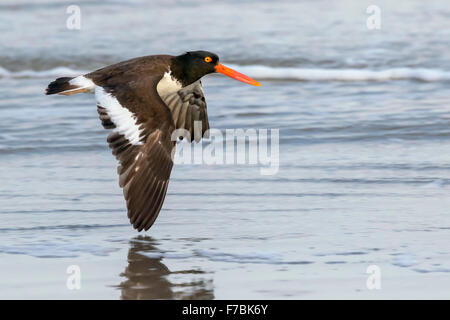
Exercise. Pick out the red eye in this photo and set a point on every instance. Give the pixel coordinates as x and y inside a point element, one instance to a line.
<point>208,59</point>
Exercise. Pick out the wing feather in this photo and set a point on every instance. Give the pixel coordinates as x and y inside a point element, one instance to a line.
<point>187,106</point>
<point>140,141</point>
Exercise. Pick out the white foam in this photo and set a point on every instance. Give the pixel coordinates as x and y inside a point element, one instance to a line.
<point>55,72</point>
<point>313,74</point>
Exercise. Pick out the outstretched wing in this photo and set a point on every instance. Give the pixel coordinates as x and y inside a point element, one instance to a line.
<point>141,141</point>
<point>187,106</point>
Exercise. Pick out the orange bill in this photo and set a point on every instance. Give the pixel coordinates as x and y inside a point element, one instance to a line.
<point>236,75</point>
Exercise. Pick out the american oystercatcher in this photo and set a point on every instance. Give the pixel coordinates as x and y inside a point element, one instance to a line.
<point>144,100</point>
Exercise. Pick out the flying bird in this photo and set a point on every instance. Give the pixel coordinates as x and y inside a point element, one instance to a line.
<point>144,100</point>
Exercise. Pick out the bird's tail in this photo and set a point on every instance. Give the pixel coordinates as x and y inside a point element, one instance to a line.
<point>68,86</point>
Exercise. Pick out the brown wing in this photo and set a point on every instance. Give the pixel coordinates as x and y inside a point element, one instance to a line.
<point>188,105</point>
<point>142,126</point>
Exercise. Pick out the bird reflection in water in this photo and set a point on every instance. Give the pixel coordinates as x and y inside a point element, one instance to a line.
<point>148,278</point>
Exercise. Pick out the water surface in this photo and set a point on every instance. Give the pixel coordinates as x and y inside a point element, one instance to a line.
<point>364,173</point>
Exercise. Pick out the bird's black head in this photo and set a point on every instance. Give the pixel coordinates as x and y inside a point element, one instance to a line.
<point>193,65</point>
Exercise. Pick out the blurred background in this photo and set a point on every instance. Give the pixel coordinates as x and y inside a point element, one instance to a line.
<point>364,174</point>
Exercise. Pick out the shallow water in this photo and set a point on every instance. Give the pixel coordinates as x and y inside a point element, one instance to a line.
<point>364,173</point>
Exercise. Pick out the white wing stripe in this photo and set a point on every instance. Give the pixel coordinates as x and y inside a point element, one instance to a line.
<point>124,120</point>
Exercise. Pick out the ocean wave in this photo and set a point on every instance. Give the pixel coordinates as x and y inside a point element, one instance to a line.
<point>280,73</point>
<point>54,72</point>
<point>315,74</point>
